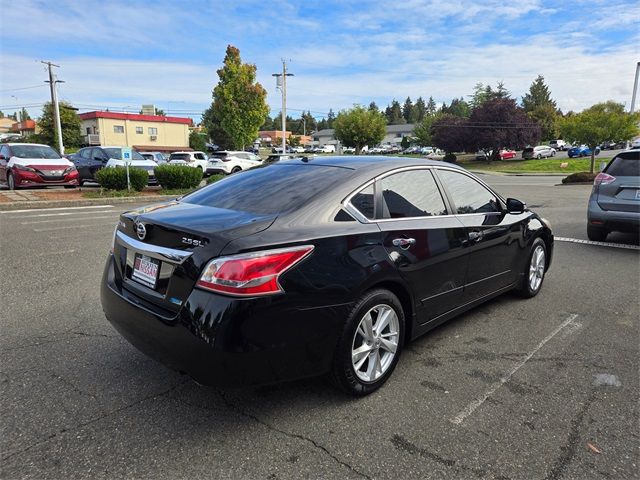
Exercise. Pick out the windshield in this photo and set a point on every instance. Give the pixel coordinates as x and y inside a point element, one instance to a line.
<point>626,164</point>
<point>270,189</point>
<point>34,151</point>
<point>117,153</point>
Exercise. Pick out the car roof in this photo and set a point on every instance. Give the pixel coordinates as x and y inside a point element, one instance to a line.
<point>24,143</point>
<point>372,162</point>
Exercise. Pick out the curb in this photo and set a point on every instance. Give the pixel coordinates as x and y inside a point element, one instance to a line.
<point>27,205</point>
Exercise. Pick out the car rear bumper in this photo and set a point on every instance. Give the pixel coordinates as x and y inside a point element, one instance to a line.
<point>612,220</point>
<point>215,171</point>
<point>219,340</point>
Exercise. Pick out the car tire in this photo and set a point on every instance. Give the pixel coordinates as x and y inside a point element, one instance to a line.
<point>69,186</point>
<point>553,154</point>
<point>361,375</point>
<point>11,183</point>
<point>581,154</point>
<point>539,157</point>
<point>236,170</point>
<point>597,234</point>
<point>534,270</point>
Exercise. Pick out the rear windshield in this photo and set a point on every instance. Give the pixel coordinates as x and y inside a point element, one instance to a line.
<point>270,189</point>
<point>34,151</point>
<point>179,156</point>
<point>625,165</point>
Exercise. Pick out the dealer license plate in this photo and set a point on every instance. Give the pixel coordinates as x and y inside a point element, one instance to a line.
<point>145,270</point>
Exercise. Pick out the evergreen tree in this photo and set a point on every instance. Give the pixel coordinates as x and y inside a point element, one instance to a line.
<point>431,107</point>
<point>541,107</point>
<point>331,117</point>
<point>373,107</point>
<point>69,120</point>
<point>24,115</point>
<point>394,114</point>
<point>420,110</point>
<point>408,112</point>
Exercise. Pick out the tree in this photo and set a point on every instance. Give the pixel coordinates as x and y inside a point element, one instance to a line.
<point>408,111</point>
<point>331,117</point>
<point>69,120</point>
<point>394,113</point>
<point>239,102</point>
<point>499,123</point>
<point>293,140</point>
<point>197,141</point>
<point>422,131</point>
<point>359,126</point>
<point>541,107</point>
<point>268,124</point>
<point>372,106</point>
<point>24,115</point>
<point>450,133</point>
<point>431,107</point>
<point>212,123</point>
<point>420,109</point>
<point>405,142</point>
<point>458,107</point>
<point>599,123</point>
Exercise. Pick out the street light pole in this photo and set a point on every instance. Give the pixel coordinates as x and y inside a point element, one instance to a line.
<point>54,102</point>
<point>635,89</point>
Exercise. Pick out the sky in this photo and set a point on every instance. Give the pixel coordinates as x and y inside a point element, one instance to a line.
<point>121,54</point>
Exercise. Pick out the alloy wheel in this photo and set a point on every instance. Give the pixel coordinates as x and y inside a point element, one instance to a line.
<point>536,268</point>
<point>375,343</point>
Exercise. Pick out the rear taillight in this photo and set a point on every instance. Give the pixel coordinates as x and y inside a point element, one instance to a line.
<point>251,274</point>
<point>603,179</point>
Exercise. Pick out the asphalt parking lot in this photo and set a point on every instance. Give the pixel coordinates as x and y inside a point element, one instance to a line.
<point>545,388</point>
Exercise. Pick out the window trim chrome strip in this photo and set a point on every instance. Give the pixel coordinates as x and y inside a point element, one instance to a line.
<point>155,251</point>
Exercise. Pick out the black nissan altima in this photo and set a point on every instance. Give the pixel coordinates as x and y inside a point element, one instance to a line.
<point>316,266</point>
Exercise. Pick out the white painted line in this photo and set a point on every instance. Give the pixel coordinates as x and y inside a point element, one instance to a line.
<point>57,220</point>
<point>598,244</point>
<point>460,417</point>
<point>77,227</point>
<point>49,209</point>
<point>65,214</point>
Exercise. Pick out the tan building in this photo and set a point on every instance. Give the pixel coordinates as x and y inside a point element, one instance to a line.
<point>5,124</point>
<point>142,132</point>
<point>274,137</point>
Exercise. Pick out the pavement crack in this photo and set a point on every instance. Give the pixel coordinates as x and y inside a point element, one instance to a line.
<point>317,445</point>
<point>91,421</point>
<point>569,449</point>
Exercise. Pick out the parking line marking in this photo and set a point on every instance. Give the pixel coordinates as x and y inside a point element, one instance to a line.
<point>469,409</point>
<point>67,220</point>
<point>65,214</point>
<point>57,208</point>
<point>599,244</point>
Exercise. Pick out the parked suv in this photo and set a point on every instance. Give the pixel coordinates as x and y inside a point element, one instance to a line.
<point>91,159</point>
<point>559,145</point>
<point>157,157</point>
<point>228,161</point>
<point>614,204</point>
<point>541,151</point>
<point>191,159</point>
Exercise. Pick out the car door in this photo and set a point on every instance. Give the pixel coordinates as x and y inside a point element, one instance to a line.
<point>492,235</point>
<point>422,239</point>
<point>97,160</point>
<point>5,156</point>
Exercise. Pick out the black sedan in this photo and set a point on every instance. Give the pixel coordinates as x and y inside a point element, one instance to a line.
<point>326,265</point>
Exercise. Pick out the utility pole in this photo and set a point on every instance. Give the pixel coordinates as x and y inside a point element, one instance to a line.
<point>54,102</point>
<point>281,83</point>
<point>635,89</point>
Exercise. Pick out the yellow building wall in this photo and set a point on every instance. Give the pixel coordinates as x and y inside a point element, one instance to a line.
<point>168,134</point>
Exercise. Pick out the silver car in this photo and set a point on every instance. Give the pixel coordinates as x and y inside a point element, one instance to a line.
<point>614,204</point>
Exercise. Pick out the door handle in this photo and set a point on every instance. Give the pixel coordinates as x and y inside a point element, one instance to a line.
<point>403,243</point>
<point>475,236</point>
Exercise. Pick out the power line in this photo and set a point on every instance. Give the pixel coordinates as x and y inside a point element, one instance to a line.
<point>21,88</point>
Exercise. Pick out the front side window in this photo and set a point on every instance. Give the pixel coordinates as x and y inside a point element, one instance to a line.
<point>363,201</point>
<point>118,129</point>
<point>468,195</point>
<point>85,153</point>
<point>413,193</point>
<point>153,131</point>
<point>139,130</point>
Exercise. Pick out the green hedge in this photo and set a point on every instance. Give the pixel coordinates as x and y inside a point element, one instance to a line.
<point>115,178</point>
<point>214,178</point>
<point>178,176</point>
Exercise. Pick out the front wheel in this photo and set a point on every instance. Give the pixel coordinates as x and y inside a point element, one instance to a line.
<point>11,183</point>
<point>539,157</point>
<point>369,348</point>
<point>534,270</point>
<point>553,154</point>
<point>236,170</point>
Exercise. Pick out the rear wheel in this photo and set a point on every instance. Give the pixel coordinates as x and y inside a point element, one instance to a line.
<point>539,157</point>
<point>553,153</point>
<point>370,345</point>
<point>236,170</point>
<point>597,234</point>
<point>11,183</point>
<point>534,270</point>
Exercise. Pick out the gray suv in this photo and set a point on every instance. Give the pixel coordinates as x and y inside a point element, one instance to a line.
<point>614,204</point>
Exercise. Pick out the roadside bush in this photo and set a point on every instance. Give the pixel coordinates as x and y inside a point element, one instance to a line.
<point>178,176</point>
<point>115,178</point>
<point>214,178</point>
<point>580,177</point>
<point>450,157</point>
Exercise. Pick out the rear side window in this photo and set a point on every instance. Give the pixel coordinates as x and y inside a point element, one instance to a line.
<point>626,164</point>
<point>468,195</point>
<point>179,156</point>
<point>363,201</point>
<point>270,189</point>
<point>409,194</point>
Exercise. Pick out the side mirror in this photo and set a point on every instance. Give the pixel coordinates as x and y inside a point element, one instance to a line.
<point>515,206</point>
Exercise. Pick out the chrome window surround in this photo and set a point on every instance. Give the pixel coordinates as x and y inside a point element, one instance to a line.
<point>354,212</point>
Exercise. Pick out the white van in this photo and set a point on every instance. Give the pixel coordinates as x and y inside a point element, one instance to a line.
<point>328,149</point>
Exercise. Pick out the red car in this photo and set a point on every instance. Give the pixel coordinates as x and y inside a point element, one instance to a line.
<point>24,165</point>
<point>507,154</point>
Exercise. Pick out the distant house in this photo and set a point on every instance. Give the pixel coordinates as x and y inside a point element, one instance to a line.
<point>26,127</point>
<point>274,137</point>
<point>394,135</point>
<point>143,132</point>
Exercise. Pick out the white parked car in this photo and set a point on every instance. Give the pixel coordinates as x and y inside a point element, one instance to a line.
<point>541,151</point>
<point>228,162</point>
<point>137,160</point>
<point>328,149</point>
<point>559,145</point>
<point>155,156</point>
<point>191,159</point>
